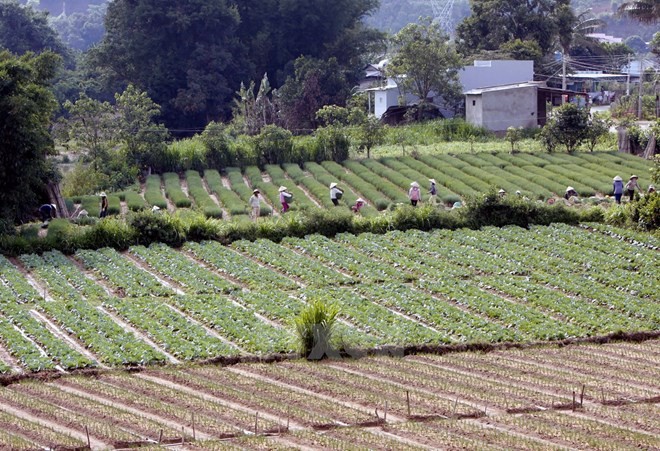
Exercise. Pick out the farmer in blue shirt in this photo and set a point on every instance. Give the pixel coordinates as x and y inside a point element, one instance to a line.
<point>618,189</point>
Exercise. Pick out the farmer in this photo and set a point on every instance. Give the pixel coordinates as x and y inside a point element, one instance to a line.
<point>433,193</point>
<point>255,204</point>
<point>631,185</point>
<point>570,192</point>
<point>335,194</point>
<point>285,198</point>
<point>47,212</point>
<point>359,203</point>
<point>414,194</point>
<point>651,189</point>
<point>104,206</point>
<point>617,187</point>
<point>501,192</point>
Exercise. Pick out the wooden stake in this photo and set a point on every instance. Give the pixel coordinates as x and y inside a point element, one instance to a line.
<point>385,416</point>
<point>455,403</point>
<point>193,425</point>
<point>573,407</point>
<point>183,437</point>
<point>89,442</point>
<point>582,395</point>
<point>160,436</point>
<point>256,422</point>
<point>408,401</point>
<point>602,394</point>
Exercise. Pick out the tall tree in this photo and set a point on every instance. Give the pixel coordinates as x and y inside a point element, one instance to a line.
<point>495,22</point>
<point>425,62</point>
<point>22,29</point>
<point>26,107</point>
<point>646,11</point>
<point>183,53</point>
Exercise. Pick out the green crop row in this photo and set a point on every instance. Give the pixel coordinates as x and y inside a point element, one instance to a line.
<point>268,190</point>
<point>201,196</point>
<point>174,191</point>
<point>365,189</point>
<point>227,197</point>
<point>153,194</point>
<point>370,170</point>
<point>445,194</point>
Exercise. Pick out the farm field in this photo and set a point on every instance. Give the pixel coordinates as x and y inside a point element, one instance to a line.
<point>581,396</point>
<point>380,182</point>
<point>152,305</point>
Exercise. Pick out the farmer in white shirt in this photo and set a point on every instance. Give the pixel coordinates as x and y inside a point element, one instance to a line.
<point>335,194</point>
<point>255,204</point>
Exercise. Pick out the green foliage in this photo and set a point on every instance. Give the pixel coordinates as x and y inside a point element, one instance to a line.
<point>174,192</point>
<point>332,143</point>
<point>566,127</point>
<point>22,30</point>
<point>314,328</point>
<point>458,129</point>
<point>513,135</point>
<point>153,194</point>
<point>157,228</point>
<point>219,153</point>
<point>202,199</point>
<point>26,106</point>
<point>597,128</point>
<point>273,145</point>
<point>425,61</point>
<point>84,179</point>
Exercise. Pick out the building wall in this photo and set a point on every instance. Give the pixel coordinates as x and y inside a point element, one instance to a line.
<point>510,108</point>
<point>500,109</point>
<point>494,73</point>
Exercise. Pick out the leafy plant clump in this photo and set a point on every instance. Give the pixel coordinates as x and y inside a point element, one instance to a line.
<point>314,329</point>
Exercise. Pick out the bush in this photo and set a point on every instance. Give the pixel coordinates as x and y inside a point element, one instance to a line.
<point>314,328</point>
<point>157,227</point>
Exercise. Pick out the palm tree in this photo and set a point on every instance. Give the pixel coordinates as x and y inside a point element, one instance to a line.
<point>645,11</point>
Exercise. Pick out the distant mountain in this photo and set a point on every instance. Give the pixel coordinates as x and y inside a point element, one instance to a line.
<point>57,7</point>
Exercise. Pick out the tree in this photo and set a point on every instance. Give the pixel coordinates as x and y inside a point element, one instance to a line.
<point>26,106</point>
<point>567,126</point>
<point>597,127</point>
<point>425,62</point>
<point>91,124</point>
<point>142,138</point>
<point>22,29</point>
<point>645,11</point>
<point>495,22</point>
<point>514,135</point>
<point>316,83</point>
<point>183,53</point>
<point>368,132</point>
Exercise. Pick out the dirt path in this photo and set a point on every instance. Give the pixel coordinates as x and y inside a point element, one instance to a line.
<point>9,360</point>
<point>123,207</point>
<point>78,435</point>
<point>139,335</point>
<point>91,276</point>
<point>170,205</point>
<point>214,198</point>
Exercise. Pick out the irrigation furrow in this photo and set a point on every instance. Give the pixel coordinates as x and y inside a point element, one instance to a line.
<point>43,291</point>
<point>91,276</point>
<point>232,405</point>
<point>311,394</point>
<point>79,435</point>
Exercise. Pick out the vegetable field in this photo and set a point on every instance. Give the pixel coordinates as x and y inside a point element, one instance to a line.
<point>380,182</point>
<point>575,397</point>
<point>98,309</point>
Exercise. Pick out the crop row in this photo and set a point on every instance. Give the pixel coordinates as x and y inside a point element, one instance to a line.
<point>201,196</point>
<point>227,197</point>
<point>153,194</point>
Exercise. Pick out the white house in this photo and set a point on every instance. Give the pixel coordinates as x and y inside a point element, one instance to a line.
<point>514,105</point>
<point>480,74</point>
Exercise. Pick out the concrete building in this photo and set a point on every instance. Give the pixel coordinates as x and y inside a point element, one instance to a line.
<point>480,74</point>
<point>515,105</point>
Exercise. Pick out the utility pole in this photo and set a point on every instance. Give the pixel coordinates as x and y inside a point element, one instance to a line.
<point>641,81</point>
<point>628,78</point>
<point>564,57</point>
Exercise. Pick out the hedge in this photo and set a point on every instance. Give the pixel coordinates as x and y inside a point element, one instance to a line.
<point>146,227</point>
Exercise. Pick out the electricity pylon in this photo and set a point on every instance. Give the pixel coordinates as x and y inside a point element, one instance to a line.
<point>442,14</point>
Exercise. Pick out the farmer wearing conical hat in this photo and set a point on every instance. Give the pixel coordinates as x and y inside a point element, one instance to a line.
<point>104,205</point>
<point>335,194</point>
<point>617,187</point>
<point>359,203</point>
<point>570,192</point>
<point>433,193</point>
<point>255,205</point>
<point>47,212</point>
<point>414,194</point>
<point>631,186</point>
<point>285,198</point>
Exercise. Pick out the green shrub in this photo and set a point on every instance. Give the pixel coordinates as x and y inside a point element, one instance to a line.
<point>314,328</point>
<point>592,214</point>
<point>646,212</point>
<point>157,227</point>
<point>111,232</point>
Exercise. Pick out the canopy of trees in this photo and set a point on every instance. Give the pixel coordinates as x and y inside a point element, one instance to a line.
<point>26,106</point>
